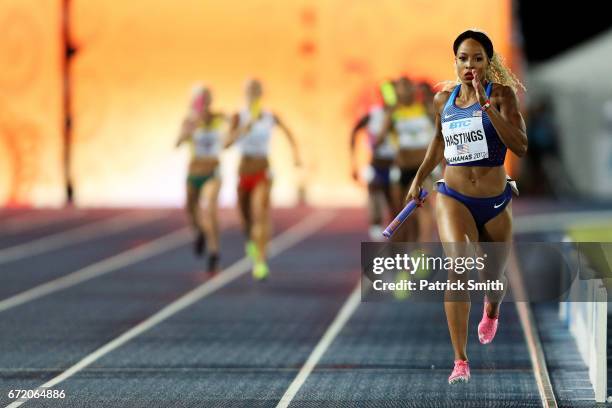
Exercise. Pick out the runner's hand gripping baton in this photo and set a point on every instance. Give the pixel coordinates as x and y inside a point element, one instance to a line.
<point>405,213</point>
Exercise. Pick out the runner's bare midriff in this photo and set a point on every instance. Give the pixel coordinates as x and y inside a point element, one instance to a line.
<point>252,164</point>
<point>475,181</point>
<point>201,166</point>
<point>410,158</point>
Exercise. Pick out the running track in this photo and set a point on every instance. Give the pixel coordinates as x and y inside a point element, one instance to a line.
<point>111,325</point>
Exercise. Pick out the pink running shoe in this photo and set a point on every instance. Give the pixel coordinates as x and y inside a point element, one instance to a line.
<point>461,372</point>
<point>487,327</point>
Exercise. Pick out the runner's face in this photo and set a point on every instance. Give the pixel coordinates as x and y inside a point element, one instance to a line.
<point>206,99</point>
<point>253,91</point>
<point>405,91</point>
<point>470,56</point>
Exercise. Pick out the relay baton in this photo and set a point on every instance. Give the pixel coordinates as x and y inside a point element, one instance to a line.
<point>401,217</point>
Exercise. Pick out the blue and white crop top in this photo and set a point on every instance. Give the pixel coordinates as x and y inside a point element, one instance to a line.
<point>469,136</point>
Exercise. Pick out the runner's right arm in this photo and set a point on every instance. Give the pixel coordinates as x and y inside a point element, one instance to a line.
<point>234,131</point>
<point>187,128</point>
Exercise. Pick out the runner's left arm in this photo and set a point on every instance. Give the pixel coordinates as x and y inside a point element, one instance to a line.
<point>507,121</point>
<point>289,134</point>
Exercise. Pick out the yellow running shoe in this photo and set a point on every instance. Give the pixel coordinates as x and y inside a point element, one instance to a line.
<point>261,271</point>
<point>251,250</point>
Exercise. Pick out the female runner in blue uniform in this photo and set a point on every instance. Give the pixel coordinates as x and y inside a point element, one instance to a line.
<point>383,156</point>
<point>477,120</point>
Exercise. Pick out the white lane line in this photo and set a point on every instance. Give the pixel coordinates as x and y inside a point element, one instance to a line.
<point>25,222</point>
<point>332,331</point>
<point>287,239</point>
<point>87,232</point>
<point>558,221</point>
<point>532,338</point>
<point>129,257</point>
